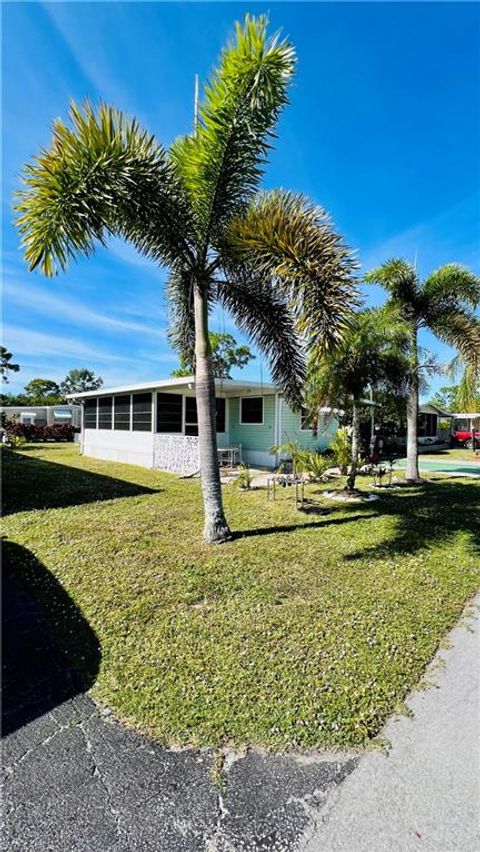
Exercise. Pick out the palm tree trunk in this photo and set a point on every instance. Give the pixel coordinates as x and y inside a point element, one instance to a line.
<point>412,473</point>
<point>355,446</point>
<point>216,528</point>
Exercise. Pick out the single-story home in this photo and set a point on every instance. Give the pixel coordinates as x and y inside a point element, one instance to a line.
<point>155,424</point>
<point>44,415</point>
<point>430,430</point>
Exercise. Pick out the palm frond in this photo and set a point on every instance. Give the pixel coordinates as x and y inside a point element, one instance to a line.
<point>400,280</point>
<point>292,242</point>
<point>181,321</point>
<point>459,328</point>
<point>260,311</point>
<point>222,163</point>
<point>450,286</point>
<point>102,175</point>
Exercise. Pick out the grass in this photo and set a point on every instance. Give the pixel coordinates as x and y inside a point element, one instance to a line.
<point>307,630</point>
<point>458,454</point>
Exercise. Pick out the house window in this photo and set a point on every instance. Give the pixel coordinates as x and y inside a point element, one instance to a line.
<point>191,416</point>
<point>305,419</point>
<point>220,403</point>
<point>62,414</point>
<point>121,416</point>
<point>427,425</point>
<point>105,412</point>
<point>27,419</point>
<point>90,414</point>
<point>251,410</point>
<point>142,412</point>
<point>169,412</point>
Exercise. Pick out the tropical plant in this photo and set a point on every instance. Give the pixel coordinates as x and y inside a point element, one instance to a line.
<point>6,365</point>
<point>291,453</point>
<point>225,355</point>
<point>443,302</point>
<point>315,464</point>
<point>341,447</point>
<point>79,381</point>
<point>271,259</point>
<point>244,478</point>
<point>371,355</point>
<point>467,392</point>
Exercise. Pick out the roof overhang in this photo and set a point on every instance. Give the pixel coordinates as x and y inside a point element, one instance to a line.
<point>223,387</point>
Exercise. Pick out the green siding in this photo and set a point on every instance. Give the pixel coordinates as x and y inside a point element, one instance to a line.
<point>263,438</point>
<point>290,422</point>
<point>252,436</point>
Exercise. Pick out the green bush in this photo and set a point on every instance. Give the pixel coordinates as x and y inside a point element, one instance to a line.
<point>342,450</point>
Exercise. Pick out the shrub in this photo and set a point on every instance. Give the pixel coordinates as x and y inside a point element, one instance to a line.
<point>244,479</point>
<point>32,433</point>
<point>314,464</point>
<point>342,450</point>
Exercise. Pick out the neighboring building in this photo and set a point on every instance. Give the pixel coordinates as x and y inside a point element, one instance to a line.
<point>44,415</point>
<point>155,424</point>
<point>430,429</point>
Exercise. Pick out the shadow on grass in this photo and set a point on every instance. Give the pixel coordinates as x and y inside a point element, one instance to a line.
<point>32,483</point>
<point>35,675</point>
<point>426,515</point>
<point>285,528</point>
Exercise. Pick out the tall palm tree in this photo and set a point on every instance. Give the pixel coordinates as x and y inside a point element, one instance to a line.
<point>444,302</point>
<point>272,259</point>
<point>372,354</point>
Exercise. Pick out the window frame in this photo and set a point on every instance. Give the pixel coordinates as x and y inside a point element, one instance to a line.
<point>130,412</point>
<point>255,423</point>
<point>152,424</point>
<point>95,400</point>
<point>106,428</point>
<point>302,420</point>
<point>181,431</point>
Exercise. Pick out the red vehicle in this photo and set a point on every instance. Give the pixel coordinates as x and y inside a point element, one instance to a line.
<point>462,433</point>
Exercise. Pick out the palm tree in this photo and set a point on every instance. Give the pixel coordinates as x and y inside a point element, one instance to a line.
<point>272,259</point>
<point>467,395</point>
<point>372,354</point>
<point>445,303</point>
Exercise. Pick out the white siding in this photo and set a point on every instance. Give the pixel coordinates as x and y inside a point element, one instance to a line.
<point>130,447</point>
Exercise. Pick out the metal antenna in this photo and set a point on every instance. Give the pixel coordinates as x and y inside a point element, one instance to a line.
<point>195,106</point>
<point>415,260</point>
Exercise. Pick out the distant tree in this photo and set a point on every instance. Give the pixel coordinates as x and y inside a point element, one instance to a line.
<point>43,392</point>
<point>225,356</point>
<point>13,399</point>
<point>445,398</point>
<point>445,303</point>
<point>6,365</point>
<point>79,381</point>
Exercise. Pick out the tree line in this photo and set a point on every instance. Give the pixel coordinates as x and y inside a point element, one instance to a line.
<point>46,391</point>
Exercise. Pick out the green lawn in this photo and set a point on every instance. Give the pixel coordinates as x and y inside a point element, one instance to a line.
<point>458,454</point>
<point>307,630</point>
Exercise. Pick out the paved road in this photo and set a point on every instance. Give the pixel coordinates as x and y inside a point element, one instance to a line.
<point>77,781</point>
<point>425,795</point>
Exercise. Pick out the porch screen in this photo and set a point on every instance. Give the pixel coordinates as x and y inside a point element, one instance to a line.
<point>191,416</point>
<point>142,412</point>
<point>90,414</point>
<point>105,412</point>
<point>169,412</point>
<point>121,416</point>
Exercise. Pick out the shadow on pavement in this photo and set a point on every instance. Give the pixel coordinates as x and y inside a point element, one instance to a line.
<point>35,675</point>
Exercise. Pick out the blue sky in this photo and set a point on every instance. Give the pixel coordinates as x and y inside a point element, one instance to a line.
<point>383,130</point>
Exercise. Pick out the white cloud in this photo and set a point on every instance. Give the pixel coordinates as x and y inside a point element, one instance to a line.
<point>24,342</point>
<point>71,311</point>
